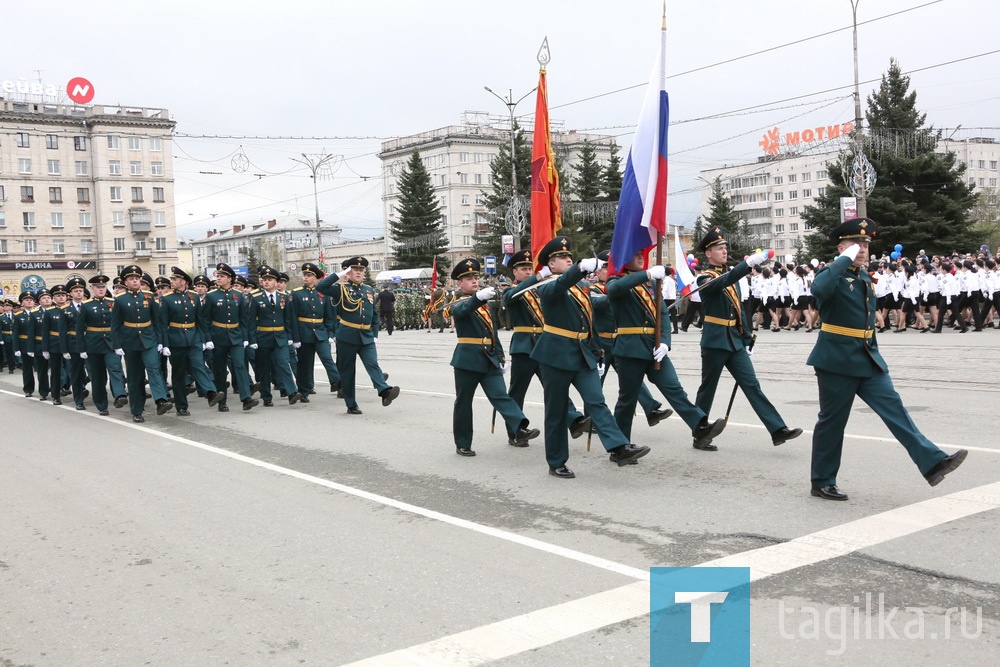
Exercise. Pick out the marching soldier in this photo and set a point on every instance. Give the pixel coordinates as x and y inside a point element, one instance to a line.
<point>21,334</point>
<point>224,317</point>
<point>354,305</point>
<point>93,330</point>
<point>37,325</point>
<point>848,364</point>
<point>271,321</point>
<point>568,355</point>
<point>478,360</point>
<point>526,317</point>
<point>77,365</point>
<point>634,306</point>
<point>183,339</point>
<point>7,332</point>
<point>135,337</point>
<point>314,328</point>
<point>726,341</point>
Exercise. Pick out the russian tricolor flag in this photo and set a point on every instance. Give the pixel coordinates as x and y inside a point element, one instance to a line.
<point>642,208</point>
<point>683,273</point>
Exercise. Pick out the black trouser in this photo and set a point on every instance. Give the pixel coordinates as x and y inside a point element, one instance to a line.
<point>8,354</point>
<point>694,308</point>
<point>28,374</point>
<point>956,312</point>
<point>669,303</point>
<point>388,318</point>
<point>971,301</point>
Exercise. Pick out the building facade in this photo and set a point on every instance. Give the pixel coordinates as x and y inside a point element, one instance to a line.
<point>83,189</point>
<point>458,159</point>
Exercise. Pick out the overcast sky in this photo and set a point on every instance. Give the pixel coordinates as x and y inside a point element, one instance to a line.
<point>361,71</point>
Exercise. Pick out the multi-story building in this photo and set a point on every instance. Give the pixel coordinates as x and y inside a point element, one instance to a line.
<point>83,189</point>
<point>771,193</point>
<point>458,159</point>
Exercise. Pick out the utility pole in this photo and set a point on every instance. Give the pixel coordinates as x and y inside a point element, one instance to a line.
<point>861,181</point>
<point>515,214</point>
<point>316,164</point>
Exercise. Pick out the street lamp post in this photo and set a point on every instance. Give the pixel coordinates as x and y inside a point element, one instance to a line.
<point>515,215</point>
<point>315,164</point>
<point>862,178</point>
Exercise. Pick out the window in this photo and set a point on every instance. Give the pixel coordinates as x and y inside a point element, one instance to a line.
<point>83,195</point>
<point>793,194</point>
<point>982,164</point>
<point>158,195</point>
<point>779,212</point>
<point>2,197</point>
<point>779,196</point>
<point>466,219</point>
<point>27,194</point>
<point>53,167</point>
<point>118,218</point>
<point>116,193</point>
<point>114,167</point>
<point>160,218</point>
<point>972,182</point>
<point>479,198</point>
<point>3,220</point>
<point>478,179</point>
<point>161,243</point>
<point>58,247</point>
<point>51,141</point>
<point>444,179</point>
<point>791,178</point>
<point>466,240</point>
<point>81,168</point>
<point>57,219</point>
<point>821,192</point>
<point>55,195</point>
<point>79,143</point>
<point>133,143</point>
<point>3,246</point>
<point>477,158</point>
<point>135,168</point>
<point>441,159</point>
<point>982,182</point>
<point>156,168</point>
<point>806,192</point>
<point>136,194</point>
<point>779,229</point>
<point>24,165</point>
<point>465,200</point>
<point>156,144</point>
<point>161,269</point>
<point>463,178</point>
<point>30,246</point>
<point>779,244</point>
<point>778,180</point>
<point>23,140</point>
<point>463,157</point>
<point>821,175</point>
<point>793,227</point>
<point>140,244</point>
<point>993,182</point>
<point>84,219</point>
<point>86,246</point>
<point>119,244</point>
<point>993,165</point>
<point>793,210</point>
<point>113,141</point>
<point>806,176</point>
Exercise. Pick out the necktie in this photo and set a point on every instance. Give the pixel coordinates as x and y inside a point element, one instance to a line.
<point>272,299</point>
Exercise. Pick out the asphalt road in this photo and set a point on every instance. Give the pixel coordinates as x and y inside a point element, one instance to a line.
<point>303,535</point>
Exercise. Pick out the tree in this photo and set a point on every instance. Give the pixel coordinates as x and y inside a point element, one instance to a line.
<point>612,176</point>
<point>253,265</point>
<point>419,233</point>
<point>587,183</point>
<point>497,200</point>
<point>739,238</point>
<point>921,199</point>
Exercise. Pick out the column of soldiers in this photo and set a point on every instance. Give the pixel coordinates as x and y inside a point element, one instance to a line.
<point>212,334</point>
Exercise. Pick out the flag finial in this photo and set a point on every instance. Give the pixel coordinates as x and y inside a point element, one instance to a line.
<point>664,14</point>
<point>543,53</point>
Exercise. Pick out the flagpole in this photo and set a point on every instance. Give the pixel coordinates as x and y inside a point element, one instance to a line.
<point>658,284</point>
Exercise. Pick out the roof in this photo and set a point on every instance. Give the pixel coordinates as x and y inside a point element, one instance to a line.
<point>403,274</point>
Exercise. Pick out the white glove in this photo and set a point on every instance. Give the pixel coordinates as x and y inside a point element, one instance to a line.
<point>66,355</point>
<point>660,352</point>
<point>83,355</point>
<point>296,345</point>
<point>427,297</point>
<point>165,351</point>
<point>17,353</point>
<point>332,340</point>
<point>253,346</point>
<point>504,368</point>
<point>120,352</point>
<point>32,354</point>
<point>589,265</point>
<point>657,272</point>
<point>46,355</point>
<point>209,345</point>
<point>159,348</point>
<point>343,274</point>
<point>759,258</point>
<point>544,273</point>
<point>948,301</point>
<point>291,342</point>
<point>245,343</point>
<point>914,301</point>
<point>486,294</point>
<point>851,252</point>
<point>749,351</point>
<point>600,370</point>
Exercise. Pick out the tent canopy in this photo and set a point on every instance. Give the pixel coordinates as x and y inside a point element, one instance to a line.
<point>403,274</point>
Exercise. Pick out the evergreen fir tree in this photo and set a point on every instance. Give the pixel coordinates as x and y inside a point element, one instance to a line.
<point>497,200</point>
<point>419,233</point>
<point>613,176</point>
<point>586,183</point>
<point>920,200</point>
<point>722,214</point>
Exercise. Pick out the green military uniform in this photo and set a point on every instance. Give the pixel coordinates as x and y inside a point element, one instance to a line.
<point>848,364</point>
<point>36,324</point>
<point>135,336</point>
<point>7,333</point>
<point>53,344</point>
<point>479,361</point>
<point>313,326</point>
<point>75,345</point>
<point>569,356</point>
<point>272,320</point>
<point>726,338</point>
<point>93,330</point>
<point>634,307</point>
<point>224,318</point>
<point>354,305</point>
<point>21,334</point>
<point>182,332</point>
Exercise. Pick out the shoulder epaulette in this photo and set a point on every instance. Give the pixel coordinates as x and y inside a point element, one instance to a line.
<point>296,289</point>
<point>214,289</point>
<point>256,292</point>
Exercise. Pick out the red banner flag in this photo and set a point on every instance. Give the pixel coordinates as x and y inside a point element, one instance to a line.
<point>546,217</point>
<point>434,274</point>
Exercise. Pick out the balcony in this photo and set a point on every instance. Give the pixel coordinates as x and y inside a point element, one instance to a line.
<point>140,227</point>
<point>142,252</point>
